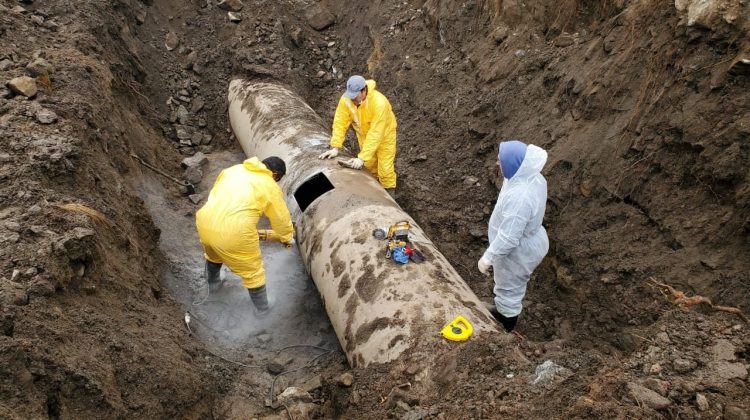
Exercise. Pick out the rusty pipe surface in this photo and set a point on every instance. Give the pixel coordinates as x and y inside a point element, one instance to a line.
<point>378,308</point>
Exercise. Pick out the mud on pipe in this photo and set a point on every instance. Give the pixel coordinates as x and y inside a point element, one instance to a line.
<point>379,309</point>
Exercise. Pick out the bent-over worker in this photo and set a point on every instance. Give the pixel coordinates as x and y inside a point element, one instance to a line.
<point>227,223</point>
<point>369,113</point>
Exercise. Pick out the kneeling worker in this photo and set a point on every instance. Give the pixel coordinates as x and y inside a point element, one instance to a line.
<point>227,223</point>
<point>369,113</point>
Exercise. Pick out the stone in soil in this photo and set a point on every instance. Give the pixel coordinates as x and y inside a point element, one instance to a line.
<point>197,160</point>
<point>318,17</point>
<point>39,67</point>
<point>648,397</point>
<point>23,85</point>
<point>230,5</point>
<point>46,116</point>
<point>171,41</point>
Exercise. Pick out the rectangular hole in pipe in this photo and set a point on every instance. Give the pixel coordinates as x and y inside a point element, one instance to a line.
<point>311,189</point>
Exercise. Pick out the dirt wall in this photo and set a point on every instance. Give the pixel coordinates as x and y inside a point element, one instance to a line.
<point>87,329</point>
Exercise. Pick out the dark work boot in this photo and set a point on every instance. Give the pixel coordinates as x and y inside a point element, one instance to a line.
<point>213,276</point>
<point>508,323</point>
<point>260,300</point>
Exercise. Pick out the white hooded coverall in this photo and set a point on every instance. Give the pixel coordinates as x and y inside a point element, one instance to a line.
<point>518,241</point>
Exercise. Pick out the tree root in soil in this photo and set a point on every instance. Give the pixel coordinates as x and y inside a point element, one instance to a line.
<point>684,302</point>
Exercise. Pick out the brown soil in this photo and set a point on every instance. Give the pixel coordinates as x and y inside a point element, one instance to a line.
<point>645,119</point>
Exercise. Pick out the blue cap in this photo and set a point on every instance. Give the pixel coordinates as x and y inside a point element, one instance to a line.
<point>511,156</point>
<point>354,85</point>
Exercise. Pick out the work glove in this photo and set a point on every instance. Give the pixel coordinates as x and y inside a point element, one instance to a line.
<point>290,244</point>
<point>329,154</point>
<point>354,163</point>
<point>484,266</point>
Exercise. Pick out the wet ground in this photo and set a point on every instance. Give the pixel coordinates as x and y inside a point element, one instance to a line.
<point>226,320</point>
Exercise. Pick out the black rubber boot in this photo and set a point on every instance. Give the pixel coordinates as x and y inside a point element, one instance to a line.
<point>213,275</point>
<point>260,300</point>
<point>508,323</point>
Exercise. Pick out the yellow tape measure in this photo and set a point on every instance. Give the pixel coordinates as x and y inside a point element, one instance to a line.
<point>458,330</point>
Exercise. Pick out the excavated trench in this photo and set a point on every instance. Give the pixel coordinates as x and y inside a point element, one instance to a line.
<point>643,112</point>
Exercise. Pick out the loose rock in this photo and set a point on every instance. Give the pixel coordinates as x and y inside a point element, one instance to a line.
<point>724,350</point>
<point>274,368</point>
<point>648,397</point>
<point>23,85</point>
<point>13,294</point>
<point>346,379</point>
<point>294,395</point>
<point>732,412</point>
<point>318,17</point>
<point>182,115</point>
<point>470,180</point>
<point>39,67</point>
<point>5,64</point>
<point>196,138</point>
<point>662,387</point>
<point>564,40</point>
<point>234,17</point>
<point>196,198</point>
<point>182,134</point>
<point>197,105</point>
<point>193,175</point>
<point>52,26</point>
<point>727,370</point>
<point>296,36</point>
<point>313,383</point>
<point>230,5</point>
<point>701,402</point>
<point>500,34</point>
<point>683,366</point>
<point>40,287</point>
<point>171,41</point>
<point>197,160</point>
<point>46,116</point>
<point>12,226</point>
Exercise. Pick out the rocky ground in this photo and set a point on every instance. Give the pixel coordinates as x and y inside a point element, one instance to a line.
<point>642,105</point>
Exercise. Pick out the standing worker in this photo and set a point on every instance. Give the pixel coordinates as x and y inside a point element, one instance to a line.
<point>518,241</point>
<point>370,115</point>
<point>227,223</point>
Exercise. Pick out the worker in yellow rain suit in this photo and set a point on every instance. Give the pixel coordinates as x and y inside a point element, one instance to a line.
<point>227,223</point>
<point>370,115</point>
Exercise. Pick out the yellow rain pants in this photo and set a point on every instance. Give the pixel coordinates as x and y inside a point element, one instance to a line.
<point>227,222</point>
<point>375,125</point>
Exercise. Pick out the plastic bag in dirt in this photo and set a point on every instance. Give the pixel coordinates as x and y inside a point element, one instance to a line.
<point>399,255</point>
<point>550,372</point>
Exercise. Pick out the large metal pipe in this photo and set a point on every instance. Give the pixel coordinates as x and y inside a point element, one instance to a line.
<point>378,308</point>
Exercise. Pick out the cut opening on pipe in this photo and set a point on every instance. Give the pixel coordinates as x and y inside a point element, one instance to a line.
<point>311,189</point>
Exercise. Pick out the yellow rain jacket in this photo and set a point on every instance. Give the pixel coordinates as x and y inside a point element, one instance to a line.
<point>227,222</point>
<point>375,125</point>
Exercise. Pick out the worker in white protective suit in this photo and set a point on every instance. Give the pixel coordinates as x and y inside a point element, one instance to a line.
<point>518,241</point>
